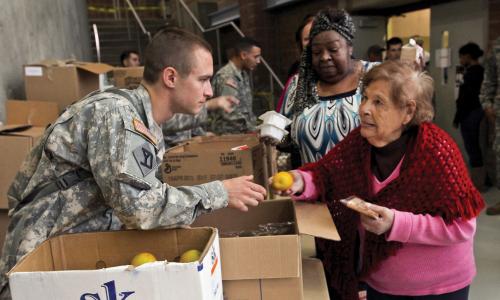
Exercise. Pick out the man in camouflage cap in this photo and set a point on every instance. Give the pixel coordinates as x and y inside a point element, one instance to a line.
<point>490,99</point>
<point>96,167</point>
<point>182,127</point>
<point>233,79</point>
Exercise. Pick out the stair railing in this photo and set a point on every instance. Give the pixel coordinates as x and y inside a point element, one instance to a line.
<point>273,76</point>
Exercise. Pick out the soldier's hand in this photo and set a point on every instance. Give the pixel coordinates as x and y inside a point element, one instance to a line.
<point>243,192</point>
<point>226,103</point>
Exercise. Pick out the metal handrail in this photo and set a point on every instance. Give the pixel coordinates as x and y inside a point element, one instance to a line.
<point>238,30</point>
<point>138,20</point>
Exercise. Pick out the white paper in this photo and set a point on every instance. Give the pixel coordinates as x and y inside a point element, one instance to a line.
<point>33,71</point>
<point>443,58</point>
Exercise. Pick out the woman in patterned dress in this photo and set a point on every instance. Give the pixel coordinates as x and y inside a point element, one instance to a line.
<point>323,98</point>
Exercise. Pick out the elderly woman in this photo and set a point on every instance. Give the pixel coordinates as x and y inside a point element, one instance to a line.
<point>413,176</point>
<point>323,98</point>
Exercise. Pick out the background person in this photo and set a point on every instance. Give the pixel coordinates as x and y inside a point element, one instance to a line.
<point>130,58</point>
<point>233,80</point>
<point>469,112</point>
<point>393,49</point>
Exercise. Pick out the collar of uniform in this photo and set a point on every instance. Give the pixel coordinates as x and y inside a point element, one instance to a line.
<point>153,127</point>
<point>237,71</point>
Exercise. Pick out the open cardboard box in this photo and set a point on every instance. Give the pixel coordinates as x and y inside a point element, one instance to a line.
<point>26,122</point>
<point>16,141</point>
<point>63,81</point>
<point>127,78</point>
<point>94,265</point>
<point>205,159</point>
<point>267,267</point>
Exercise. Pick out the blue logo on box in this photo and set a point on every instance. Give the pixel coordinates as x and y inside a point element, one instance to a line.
<point>111,294</point>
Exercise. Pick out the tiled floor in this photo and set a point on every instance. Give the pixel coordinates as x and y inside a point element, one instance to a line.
<point>486,286</point>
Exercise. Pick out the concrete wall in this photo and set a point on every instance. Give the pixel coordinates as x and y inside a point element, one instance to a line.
<point>468,22</point>
<point>34,30</point>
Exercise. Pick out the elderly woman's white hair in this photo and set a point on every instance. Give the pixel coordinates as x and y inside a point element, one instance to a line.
<point>406,84</point>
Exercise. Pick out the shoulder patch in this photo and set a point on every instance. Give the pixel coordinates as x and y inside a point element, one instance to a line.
<point>144,131</point>
<point>230,82</point>
<point>145,157</point>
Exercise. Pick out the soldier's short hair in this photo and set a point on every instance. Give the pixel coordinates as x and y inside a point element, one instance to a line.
<point>406,84</point>
<point>245,44</point>
<point>171,47</point>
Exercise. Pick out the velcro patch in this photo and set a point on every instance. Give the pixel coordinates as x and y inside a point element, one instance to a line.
<point>145,157</point>
<point>144,131</point>
<point>232,83</point>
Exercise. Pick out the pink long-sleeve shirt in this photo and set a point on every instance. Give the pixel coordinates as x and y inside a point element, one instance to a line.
<point>436,258</point>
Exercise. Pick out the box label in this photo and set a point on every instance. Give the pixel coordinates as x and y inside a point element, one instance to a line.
<point>110,292</point>
<point>33,71</point>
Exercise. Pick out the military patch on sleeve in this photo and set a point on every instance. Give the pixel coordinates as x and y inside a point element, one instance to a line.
<point>144,131</point>
<point>145,157</point>
<point>230,82</point>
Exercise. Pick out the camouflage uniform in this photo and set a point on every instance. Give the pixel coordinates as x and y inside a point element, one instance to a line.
<point>117,140</point>
<point>231,81</point>
<point>490,96</point>
<point>182,127</point>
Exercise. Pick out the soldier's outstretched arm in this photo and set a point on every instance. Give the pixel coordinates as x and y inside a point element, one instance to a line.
<point>124,162</point>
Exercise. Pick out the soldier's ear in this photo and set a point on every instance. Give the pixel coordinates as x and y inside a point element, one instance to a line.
<point>169,77</point>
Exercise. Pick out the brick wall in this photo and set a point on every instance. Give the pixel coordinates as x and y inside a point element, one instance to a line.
<point>275,29</point>
<point>494,19</point>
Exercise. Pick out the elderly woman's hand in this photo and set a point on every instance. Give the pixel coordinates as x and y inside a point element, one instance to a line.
<point>297,186</point>
<point>380,225</point>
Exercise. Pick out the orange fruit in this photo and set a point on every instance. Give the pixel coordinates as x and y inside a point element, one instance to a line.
<point>142,258</point>
<point>282,181</point>
<point>190,256</point>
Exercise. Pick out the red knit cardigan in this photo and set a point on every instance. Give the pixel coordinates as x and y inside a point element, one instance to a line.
<point>433,180</point>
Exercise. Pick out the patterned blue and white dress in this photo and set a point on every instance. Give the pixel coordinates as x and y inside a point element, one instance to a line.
<point>320,127</point>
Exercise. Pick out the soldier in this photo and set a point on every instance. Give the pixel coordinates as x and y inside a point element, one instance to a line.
<point>130,58</point>
<point>182,127</point>
<point>233,79</point>
<point>95,168</point>
<point>490,99</point>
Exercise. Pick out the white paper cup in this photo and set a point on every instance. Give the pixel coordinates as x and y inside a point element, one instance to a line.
<point>272,131</point>
<point>276,119</point>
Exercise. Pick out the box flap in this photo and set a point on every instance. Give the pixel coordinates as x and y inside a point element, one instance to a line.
<point>53,62</point>
<point>12,128</point>
<point>36,113</point>
<point>315,219</point>
<point>96,68</point>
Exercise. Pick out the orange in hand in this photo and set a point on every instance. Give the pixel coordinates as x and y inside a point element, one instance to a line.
<point>282,181</point>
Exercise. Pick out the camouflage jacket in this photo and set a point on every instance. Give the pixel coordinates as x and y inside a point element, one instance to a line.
<point>117,140</point>
<point>490,89</point>
<point>231,81</point>
<point>182,127</point>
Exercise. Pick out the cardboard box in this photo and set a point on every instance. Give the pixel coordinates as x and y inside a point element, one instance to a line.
<point>315,287</point>
<point>35,113</point>
<point>16,141</point>
<point>64,82</point>
<point>204,159</point>
<point>266,267</point>
<point>65,267</point>
<point>127,78</point>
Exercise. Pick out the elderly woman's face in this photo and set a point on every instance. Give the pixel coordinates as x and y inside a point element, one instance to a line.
<point>382,122</point>
<point>331,56</point>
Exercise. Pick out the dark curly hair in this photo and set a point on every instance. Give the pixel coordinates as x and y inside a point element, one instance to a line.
<point>471,49</point>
